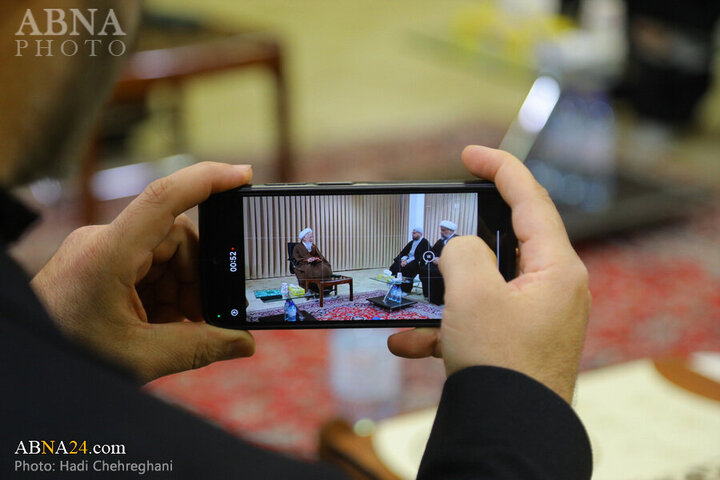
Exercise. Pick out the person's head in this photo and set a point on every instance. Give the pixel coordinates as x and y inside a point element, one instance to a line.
<point>417,233</point>
<point>447,229</point>
<point>49,104</point>
<point>306,236</point>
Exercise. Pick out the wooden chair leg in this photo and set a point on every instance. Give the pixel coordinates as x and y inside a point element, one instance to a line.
<point>88,167</point>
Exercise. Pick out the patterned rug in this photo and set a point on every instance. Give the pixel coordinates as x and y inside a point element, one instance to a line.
<point>342,308</point>
<point>655,292</point>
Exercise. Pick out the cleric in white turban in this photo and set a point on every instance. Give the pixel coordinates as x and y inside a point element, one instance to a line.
<point>302,235</point>
<point>430,276</point>
<point>309,262</point>
<point>410,259</point>
<point>449,225</point>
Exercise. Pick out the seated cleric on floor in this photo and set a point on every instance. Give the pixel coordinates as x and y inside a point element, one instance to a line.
<point>108,311</point>
<point>410,259</point>
<point>430,275</point>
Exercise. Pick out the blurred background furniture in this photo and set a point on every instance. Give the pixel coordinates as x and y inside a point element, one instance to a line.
<point>171,51</point>
<point>354,453</point>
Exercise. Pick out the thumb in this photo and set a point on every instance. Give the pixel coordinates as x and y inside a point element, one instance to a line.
<point>180,346</point>
<point>468,262</point>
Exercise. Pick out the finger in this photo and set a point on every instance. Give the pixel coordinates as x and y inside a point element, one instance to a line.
<point>166,291</point>
<point>147,220</point>
<point>156,264</point>
<point>535,219</point>
<point>154,273</point>
<point>468,265</point>
<point>416,343</point>
<point>180,346</point>
<point>168,300</point>
<point>179,246</point>
<point>190,302</point>
<point>179,287</point>
<point>185,260</point>
<point>164,313</point>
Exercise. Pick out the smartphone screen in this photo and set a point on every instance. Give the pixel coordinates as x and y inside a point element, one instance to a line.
<point>342,255</point>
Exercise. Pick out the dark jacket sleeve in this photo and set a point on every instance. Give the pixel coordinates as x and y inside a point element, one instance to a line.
<point>494,423</point>
<point>422,247</point>
<point>437,248</point>
<point>404,252</point>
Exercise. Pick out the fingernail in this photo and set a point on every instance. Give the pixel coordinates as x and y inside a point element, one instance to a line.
<point>246,171</point>
<point>477,148</point>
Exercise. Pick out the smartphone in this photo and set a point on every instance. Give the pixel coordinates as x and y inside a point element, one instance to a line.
<point>341,254</point>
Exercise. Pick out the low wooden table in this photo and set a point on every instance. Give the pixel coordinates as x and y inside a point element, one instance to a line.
<point>333,282</point>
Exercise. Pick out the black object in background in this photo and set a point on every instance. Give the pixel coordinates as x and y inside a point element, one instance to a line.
<point>670,53</point>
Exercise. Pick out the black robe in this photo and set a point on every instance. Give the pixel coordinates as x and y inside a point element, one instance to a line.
<point>431,278</point>
<point>412,268</point>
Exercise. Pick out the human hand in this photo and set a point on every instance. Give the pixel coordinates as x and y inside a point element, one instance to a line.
<point>534,324</point>
<point>435,261</point>
<point>403,263</point>
<point>125,290</point>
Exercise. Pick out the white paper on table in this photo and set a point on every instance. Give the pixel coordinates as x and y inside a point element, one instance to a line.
<point>641,426</point>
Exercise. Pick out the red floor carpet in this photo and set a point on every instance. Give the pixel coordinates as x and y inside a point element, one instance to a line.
<point>340,307</point>
<point>654,293</point>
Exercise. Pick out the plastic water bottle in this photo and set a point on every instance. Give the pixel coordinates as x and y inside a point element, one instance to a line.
<point>393,295</point>
<point>290,311</point>
<point>285,290</point>
<point>396,294</point>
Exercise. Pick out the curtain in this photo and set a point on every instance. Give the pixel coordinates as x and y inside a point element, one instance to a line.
<point>352,231</point>
<point>459,208</point>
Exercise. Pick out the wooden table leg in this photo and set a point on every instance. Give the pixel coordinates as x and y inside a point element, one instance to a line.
<point>351,290</point>
<point>322,289</point>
